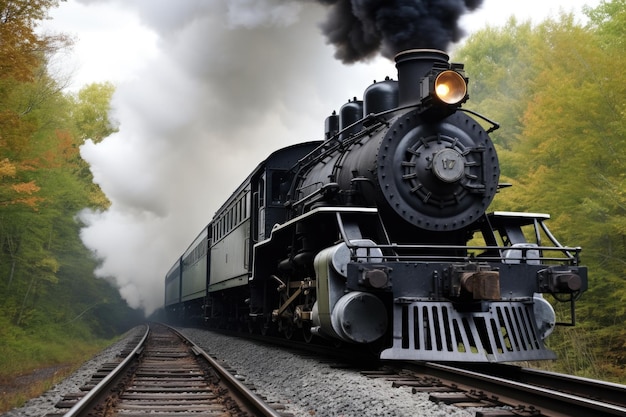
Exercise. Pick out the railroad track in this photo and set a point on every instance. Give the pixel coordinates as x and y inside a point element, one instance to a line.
<point>498,390</point>
<point>169,375</point>
<point>505,390</point>
<point>173,379</point>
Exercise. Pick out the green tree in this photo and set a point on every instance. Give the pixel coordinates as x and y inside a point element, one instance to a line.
<point>21,47</point>
<point>608,21</point>
<point>22,58</point>
<point>501,84</point>
<point>499,79</point>
<point>91,112</point>
<point>90,115</point>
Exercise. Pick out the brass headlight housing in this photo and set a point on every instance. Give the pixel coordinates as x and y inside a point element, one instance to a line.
<point>443,91</point>
<point>450,87</point>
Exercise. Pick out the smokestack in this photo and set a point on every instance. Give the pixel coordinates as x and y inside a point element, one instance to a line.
<point>413,65</point>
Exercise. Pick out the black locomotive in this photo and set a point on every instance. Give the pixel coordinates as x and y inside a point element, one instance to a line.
<point>379,235</point>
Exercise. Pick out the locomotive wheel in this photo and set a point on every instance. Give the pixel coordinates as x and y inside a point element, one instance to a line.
<point>288,332</point>
<point>266,326</point>
<point>286,328</point>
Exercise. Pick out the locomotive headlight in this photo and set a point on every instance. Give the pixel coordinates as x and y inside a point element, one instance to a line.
<point>450,87</point>
<point>442,92</point>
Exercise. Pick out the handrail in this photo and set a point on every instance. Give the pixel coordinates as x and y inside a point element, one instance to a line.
<point>446,253</point>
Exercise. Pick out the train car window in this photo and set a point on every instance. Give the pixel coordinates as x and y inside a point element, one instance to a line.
<point>262,192</point>
<point>280,181</point>
<point>196,254</point>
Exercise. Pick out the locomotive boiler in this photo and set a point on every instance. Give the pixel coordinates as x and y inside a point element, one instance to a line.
<point>379,235</point>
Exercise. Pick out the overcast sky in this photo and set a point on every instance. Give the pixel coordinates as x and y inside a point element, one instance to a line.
<point>205,91</point>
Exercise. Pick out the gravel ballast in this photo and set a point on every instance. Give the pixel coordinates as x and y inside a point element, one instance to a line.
<point>312,388</point>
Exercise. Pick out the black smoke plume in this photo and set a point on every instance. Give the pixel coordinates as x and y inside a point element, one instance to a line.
<point>360,28</point>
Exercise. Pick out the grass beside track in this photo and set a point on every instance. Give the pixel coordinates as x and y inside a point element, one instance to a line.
<point>32,364</point>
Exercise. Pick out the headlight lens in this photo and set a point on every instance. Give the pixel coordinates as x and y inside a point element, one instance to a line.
<point>450,87</point>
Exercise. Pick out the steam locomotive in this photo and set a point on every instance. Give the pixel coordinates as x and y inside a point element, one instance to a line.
<point>379,235</point>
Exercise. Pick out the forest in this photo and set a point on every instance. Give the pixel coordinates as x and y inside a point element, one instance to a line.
<point>52,309</point>
<point>557,88</point>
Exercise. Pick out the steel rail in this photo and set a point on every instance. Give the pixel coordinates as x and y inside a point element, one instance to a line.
<point>230,379</point>
<point>607,391</point>
<point>101,387</point>
<point>585,387</point>
<point>560,403</point>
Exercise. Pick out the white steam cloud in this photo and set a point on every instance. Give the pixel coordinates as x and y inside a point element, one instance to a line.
<point>231,82</point>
